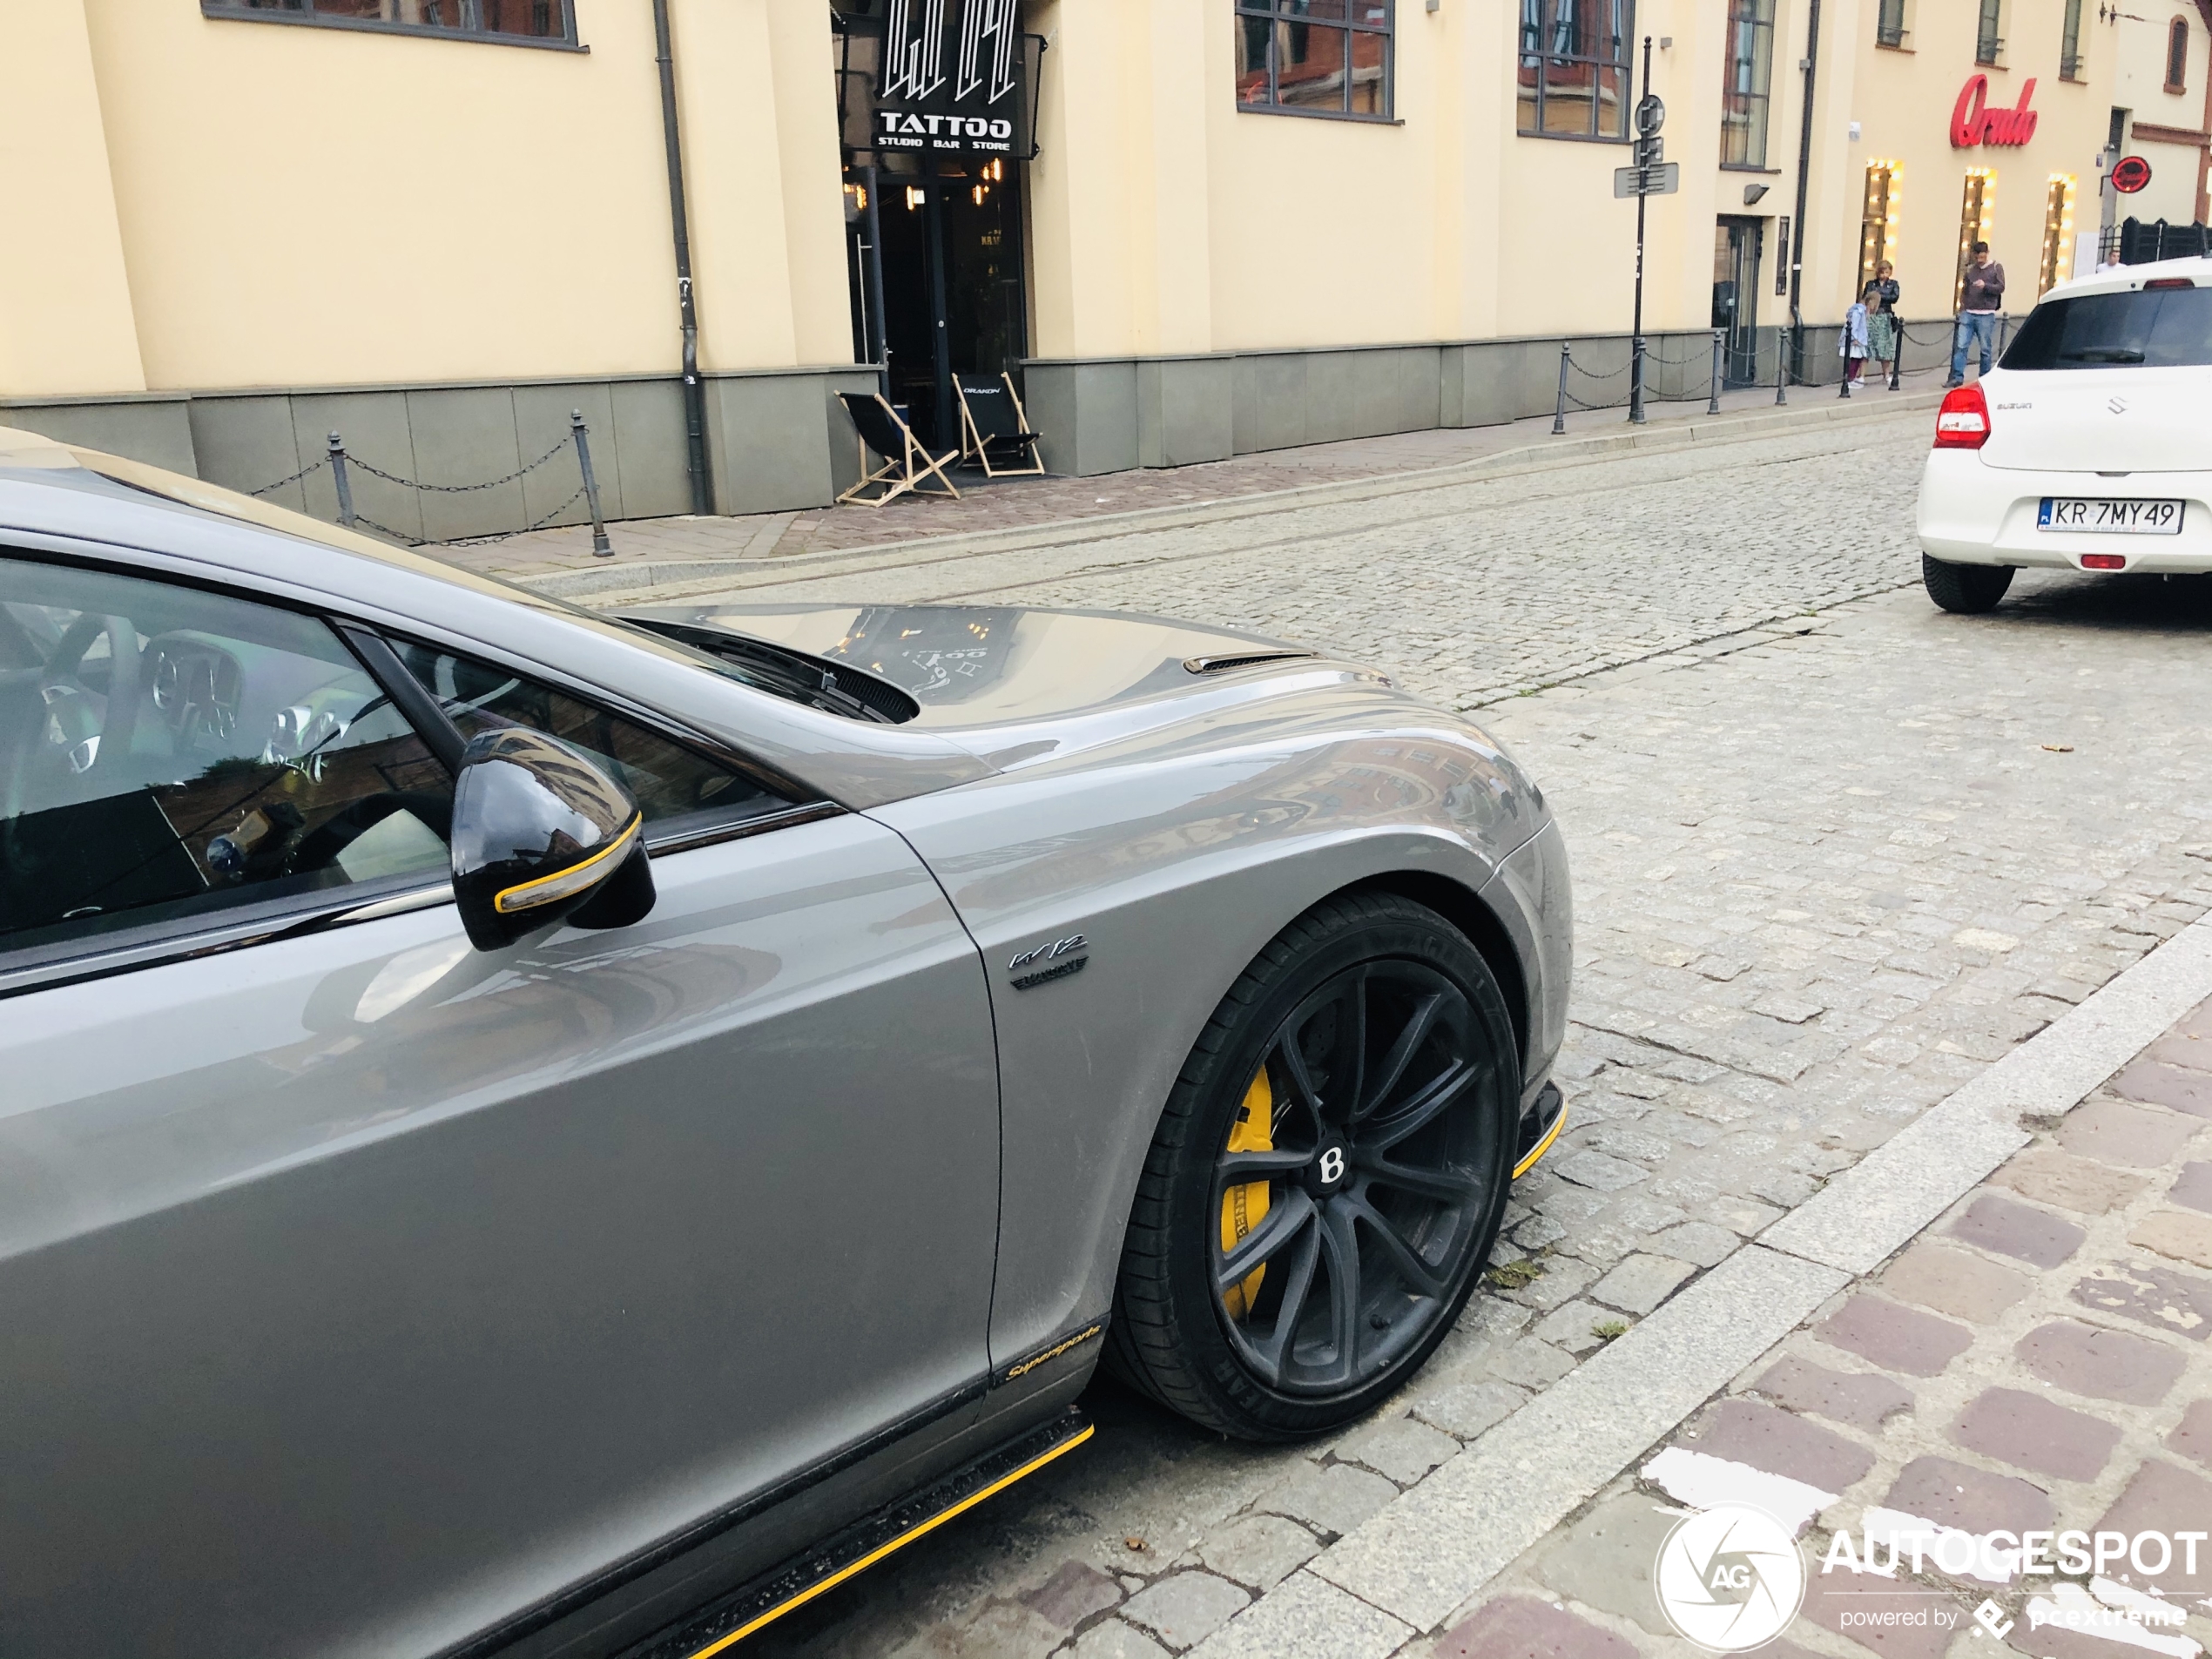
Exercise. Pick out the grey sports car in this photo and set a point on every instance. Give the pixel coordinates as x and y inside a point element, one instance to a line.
<point>531,1132</point>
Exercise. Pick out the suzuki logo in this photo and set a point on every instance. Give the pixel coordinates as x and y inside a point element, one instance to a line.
<point>2118,405</point>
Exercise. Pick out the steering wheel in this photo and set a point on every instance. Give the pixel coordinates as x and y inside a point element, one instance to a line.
<point>74,728</point>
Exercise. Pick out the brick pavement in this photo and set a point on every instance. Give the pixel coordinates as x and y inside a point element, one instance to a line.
<point>1829,866</point>
<point>2037,1359</point>
<point>987,505</point>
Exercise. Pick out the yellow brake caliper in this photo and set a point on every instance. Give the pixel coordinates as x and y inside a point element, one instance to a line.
<point>1244,1207</point>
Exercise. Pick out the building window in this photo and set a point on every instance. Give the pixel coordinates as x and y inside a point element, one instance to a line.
<point>2177,55</point>
<point>1749,68</point>
<point>1315,57</point>
<point>540,21</point>
<point>2070,42</point>
<point>1977,218</point>
<point>1987,41</point>
<point>1889,23</point>
<point>2058,233</point>
<point>1574,68</point>
<point>1878,218</point>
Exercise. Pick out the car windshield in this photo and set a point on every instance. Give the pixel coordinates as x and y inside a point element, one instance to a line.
<point>2146,328</point>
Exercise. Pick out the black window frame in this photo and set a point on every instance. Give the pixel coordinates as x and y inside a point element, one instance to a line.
<point>1889,28</point>
<point>23,971</point>
<point>1539,24</point>
<point>302,14</point>
<point>2177,55</point>
<point>1269,14</point>
<point>1989,45</point>
<point>1758,104</point>
<point>2070,42</point>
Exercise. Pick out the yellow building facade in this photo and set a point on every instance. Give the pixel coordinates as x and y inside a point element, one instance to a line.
<point>1211,226</point>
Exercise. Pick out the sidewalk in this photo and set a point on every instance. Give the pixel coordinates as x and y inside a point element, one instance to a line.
<point>988,507</point>
<point>1992,1323</point>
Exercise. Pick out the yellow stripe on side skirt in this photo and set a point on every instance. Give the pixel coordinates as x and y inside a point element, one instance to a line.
<point>900,1542</point>
<point>1542,1146</point>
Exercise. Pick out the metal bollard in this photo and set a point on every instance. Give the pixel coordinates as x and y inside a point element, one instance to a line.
<point>345,484</point>
<point>1635,382</point>
<point>1720,345</point>
<point>601,547</point>
<point>1781,371</point>
<point>1559,413</point>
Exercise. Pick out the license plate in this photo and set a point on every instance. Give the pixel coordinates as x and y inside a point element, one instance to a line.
<point>2113,516</point>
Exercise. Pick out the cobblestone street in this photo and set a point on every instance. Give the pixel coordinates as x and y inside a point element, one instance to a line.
<point>1835,853</point>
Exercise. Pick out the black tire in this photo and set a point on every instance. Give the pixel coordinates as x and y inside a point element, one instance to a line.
<point>1964,590</point>
<point>1432,1098</point>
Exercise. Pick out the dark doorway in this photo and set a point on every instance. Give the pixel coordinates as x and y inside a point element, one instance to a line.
<point>1735,295</point>
<point>937,107</point>
<point>953,298</point>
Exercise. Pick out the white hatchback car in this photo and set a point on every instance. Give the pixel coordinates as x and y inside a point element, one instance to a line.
<point>2088,448</point>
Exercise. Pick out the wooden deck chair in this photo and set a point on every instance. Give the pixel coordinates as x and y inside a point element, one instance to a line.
<point>906,465</point>
<point>992,420</point>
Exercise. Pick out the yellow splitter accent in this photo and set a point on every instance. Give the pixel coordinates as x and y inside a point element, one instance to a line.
<point>897,1543</point>
<point>550,889</point>
<point>1542,1146</point>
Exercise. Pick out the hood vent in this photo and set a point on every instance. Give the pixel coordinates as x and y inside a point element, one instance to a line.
<point>1222,664</point>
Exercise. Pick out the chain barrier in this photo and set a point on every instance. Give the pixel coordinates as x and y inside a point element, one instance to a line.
<point>340,463</point>
<point>508,536</point>
<point>458,489</point>
<point>308,471</point>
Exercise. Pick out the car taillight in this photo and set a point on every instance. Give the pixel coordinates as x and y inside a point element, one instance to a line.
<point>1963,421</point>
<point>2168,282</point>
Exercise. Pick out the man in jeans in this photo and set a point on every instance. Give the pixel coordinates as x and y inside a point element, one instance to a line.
<point>1976,313</point>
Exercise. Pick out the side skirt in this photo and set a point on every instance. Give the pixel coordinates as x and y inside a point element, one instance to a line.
<point>724,1624</point>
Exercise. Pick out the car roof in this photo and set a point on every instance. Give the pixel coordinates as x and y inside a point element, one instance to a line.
<point>2122,278</point>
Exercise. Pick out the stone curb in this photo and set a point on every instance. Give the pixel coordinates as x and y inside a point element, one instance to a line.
<point>731,574</point>
<point>1432,1550</point>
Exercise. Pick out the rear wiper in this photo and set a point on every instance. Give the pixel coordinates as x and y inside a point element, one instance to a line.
<point>2103,355</point>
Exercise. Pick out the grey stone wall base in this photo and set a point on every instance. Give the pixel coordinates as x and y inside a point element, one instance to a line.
<point>775,440</point>
<point>157,430</point>
<point>780,441</point>
<point>1107,415</point>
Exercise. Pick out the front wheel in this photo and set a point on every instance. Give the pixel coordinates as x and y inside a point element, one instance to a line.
<point>1967,589</point>
<point>1328,1177</point>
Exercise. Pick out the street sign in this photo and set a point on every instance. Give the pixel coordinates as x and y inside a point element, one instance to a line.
<point>1651,114</point>
<point>1663,181</point>
<point>2130,174</point>
<point>1650,152</point>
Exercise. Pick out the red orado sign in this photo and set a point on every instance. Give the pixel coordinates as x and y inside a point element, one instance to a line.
<point>2130,174</point>
<point>1973,122</point>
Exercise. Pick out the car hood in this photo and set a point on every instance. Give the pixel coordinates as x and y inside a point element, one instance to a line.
<point>984,669</point>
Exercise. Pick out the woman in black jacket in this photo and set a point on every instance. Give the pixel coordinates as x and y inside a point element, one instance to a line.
<point>1886,326</point>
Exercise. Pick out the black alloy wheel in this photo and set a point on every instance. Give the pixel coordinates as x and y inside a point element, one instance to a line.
<point>1328,1177</point>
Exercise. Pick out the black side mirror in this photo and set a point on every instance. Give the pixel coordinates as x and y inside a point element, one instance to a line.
<point>541,836</point>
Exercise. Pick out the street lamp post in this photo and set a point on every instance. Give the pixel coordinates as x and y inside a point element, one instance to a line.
<point>1651,115</point>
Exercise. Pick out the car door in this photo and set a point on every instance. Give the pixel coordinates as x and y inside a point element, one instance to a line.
<point>363,1288</point>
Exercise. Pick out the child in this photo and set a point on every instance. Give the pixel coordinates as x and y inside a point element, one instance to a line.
<point>1854,346</point>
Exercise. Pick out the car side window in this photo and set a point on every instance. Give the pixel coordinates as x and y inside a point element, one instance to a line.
<point>677,788</point>
<point>166,753</point>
